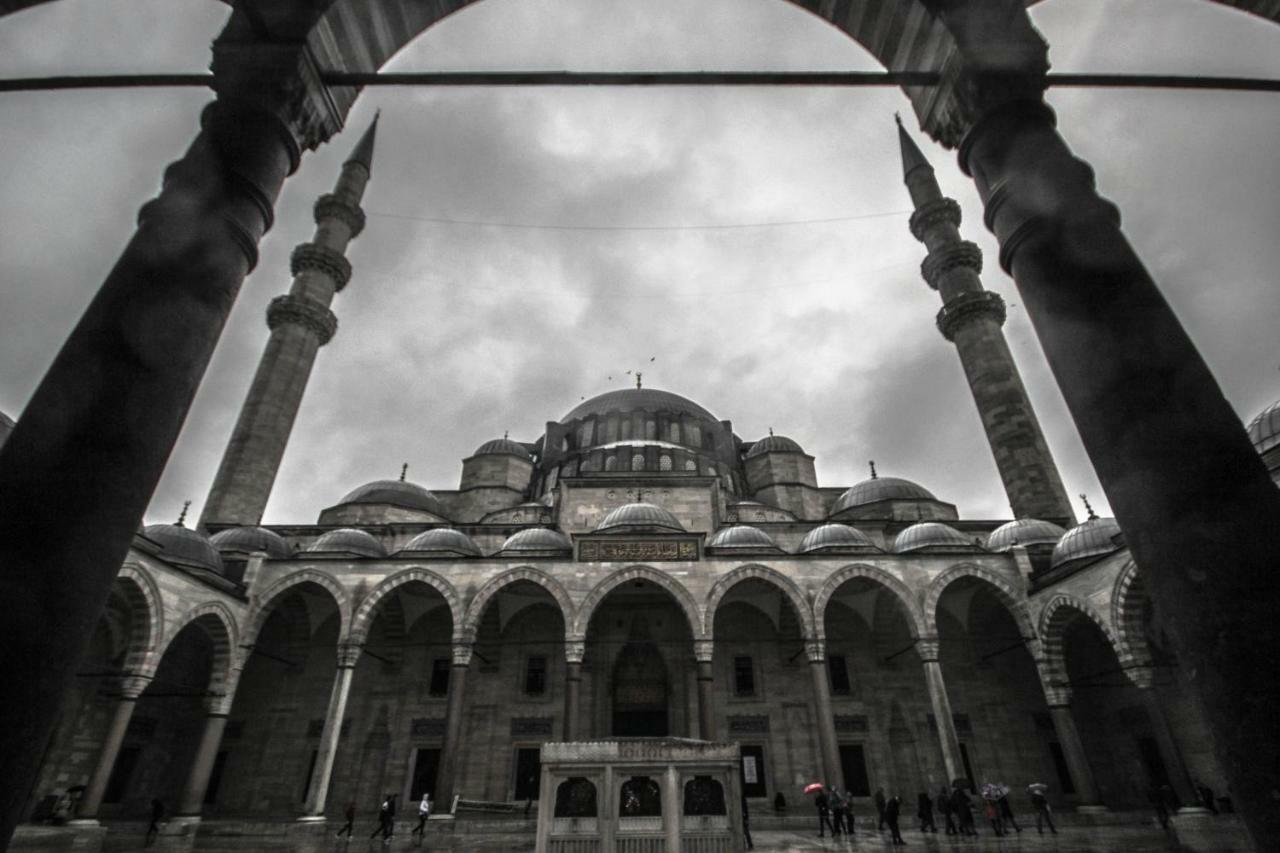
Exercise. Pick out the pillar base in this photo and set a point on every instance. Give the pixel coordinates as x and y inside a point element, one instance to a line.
<point>185,819</point>
<point>312,818</point>
<point>83,821</point>
<point>1095,808</point>
<point>1192,812</point>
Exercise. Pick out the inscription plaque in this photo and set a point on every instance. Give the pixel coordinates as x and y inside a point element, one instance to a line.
<point>596,551</point>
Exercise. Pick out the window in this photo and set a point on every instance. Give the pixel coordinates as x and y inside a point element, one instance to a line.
<point>664,463</point>
<point>703,796</point>
<point>839,672</point>
<point>611,463</point>
<point>744,678</point>
<point>576,797</point>
<point>640,797</point>
<point>637,462</point>
<point>535,676</point>
<point>690,465</point>
<point>439,677</point>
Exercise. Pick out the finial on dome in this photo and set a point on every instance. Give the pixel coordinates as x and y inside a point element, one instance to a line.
<point>506,433</point>
<point>182,516</point>
<point>1092,515</point>
<point>770,430</point>
<point>872,463</point>
<point>638,375</point>
<point>404,469</point>
<point>639,494</point>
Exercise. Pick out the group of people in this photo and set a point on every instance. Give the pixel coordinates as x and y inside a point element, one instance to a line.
<point>387,820</point>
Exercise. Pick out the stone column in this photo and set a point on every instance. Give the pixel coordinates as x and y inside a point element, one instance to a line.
<point>1179,778</point>
<point>702,652</point>
<point>318,793</point>
<point>671,811</point>
<point>948,740</point>
<point>131,687</point>
<point>824,719</point>
<point>573,654</point>
<point>446,778</point>
<point>1064,726</point>
<point>81,465</point>
<point>191,803</point>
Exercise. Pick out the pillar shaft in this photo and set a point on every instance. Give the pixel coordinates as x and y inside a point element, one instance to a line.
<point>706,701</point>
<point>120,717</point>
<point>824,718</point>
<point>1064,726</point>
<point>572,699</point>
<point>191,802</point>
<point>321,774</point>
<point>447,778</point>
<point>1196,503</point>
<point>948,740</point>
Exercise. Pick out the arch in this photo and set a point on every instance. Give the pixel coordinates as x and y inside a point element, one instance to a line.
<point>1128,597</point>
<point>219,624</point>
<point>272,595</point>
<point>365,612</point>
<point>1006,592</point>
<point>895,587</point>
<point>769,576</point>
<point>662,579</point>
<point>146,618</point>
<point>1060,612</point>
<point>475,610</point>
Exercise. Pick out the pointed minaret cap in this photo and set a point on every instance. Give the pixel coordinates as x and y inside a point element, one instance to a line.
<point>912,158</point>
<point>363,153</point>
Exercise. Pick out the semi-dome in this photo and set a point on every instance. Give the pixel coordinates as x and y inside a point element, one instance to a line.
<point>395,492</point>
<point>1264,430</point>
<point>881,489</point>
<point>444,539</point>
<point>637,400</point>
<point>930,534</point>
<point>1092,538</point>
<point>502,446</point>
<point>639,515</point>
<point>1024,531</point>
<point>741,536</point>
<point>831,536</point>
<point>349,540</point>
<point>774,444</point>
<point>536,539</point>
<point>185,546</point>
<point>252,540</point>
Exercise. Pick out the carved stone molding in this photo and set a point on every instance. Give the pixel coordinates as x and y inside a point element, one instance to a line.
<point>462,654</point>
<point>301,311</point>
<point>575,650</point>
<point>329,206</point>
<point>703,650</point>
<point>965,309</point>
<point>815,650</point>
<point>933,213</point>
<point>322,259</point>
<point>348,654</point>
<point>131,686</point>
<point>962,253</point>
<point>1058,696</point>
<point>927,648</point>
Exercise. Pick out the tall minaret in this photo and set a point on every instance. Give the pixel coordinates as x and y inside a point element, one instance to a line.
<point>971,318</point>
<point>300,324</point>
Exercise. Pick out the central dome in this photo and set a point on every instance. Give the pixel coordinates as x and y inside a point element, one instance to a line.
<point>637,400</point>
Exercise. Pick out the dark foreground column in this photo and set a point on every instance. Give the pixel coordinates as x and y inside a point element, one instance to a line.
<point>446,779</point>
<point>833,773</point>
<point>131,688</point>
<point>1197,507</point>
<point>79,469</point>
<point>948,740</point>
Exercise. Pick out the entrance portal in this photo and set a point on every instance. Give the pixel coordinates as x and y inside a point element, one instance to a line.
<point>640,692</point>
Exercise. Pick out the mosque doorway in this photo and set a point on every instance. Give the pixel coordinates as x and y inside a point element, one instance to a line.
<point>640,692</point>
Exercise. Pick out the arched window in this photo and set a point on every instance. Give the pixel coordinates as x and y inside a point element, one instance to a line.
<point>576,797</point>
<point>584,435</point>
<point>637,462</point>
<point>641,797</point>
<point>703,796</point>
<point>690,465</point>
<point>611,463</point>
<point>664,463</point>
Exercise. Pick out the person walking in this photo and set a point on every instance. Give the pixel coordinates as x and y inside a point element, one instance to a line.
<point>153,829</point>
<point>823,804</point>
<point>1043,813</point>
<point>390,829</point>
<point>839,811</point>
<point>992,811</point>
<point>963,808</point>
<point>924,812</point>
<point>880,809</point>
<point>1006,813</point>
<point>424,812</point>
<point>1158,799</point>
<point>350,825</point>
<point>891,811</point>
<point>381,828</point>
<point>746,824</point>
<point>944,808</point>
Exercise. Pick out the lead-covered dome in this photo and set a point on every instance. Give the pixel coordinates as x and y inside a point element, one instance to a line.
<point>774,444</point>
<point>1092,538</point>
<point>443,540</point>
<point>639,516</point>
<point>1024,531</point>
<point>637,400</point>
<point>741,537</point>
<point>252,540</point>
<point>835,536</point>
<point>879,489</point>
<point>535,539</point>
<point>502,447</point>
<point>394,492</point>
<point>931,534</point>
<point>349,540</point>
<point>183,545</point>
<point>1264,430</point>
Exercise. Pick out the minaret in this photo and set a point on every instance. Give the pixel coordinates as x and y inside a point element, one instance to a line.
<point>971,318</point>
<point>300,324</point>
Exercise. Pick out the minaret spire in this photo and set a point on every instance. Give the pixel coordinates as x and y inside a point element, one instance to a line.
<point>971,318</point>
<point>300,323</point>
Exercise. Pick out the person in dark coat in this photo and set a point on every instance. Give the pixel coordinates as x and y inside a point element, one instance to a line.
<point>924,811</point>
<point>350,825</point>
<point>746,824</point>
<point>839,811</point>
<point>390,818</point>
<point>1006,813</point>
<point>963,808</point>
<point>824,813</point>
<point>892,808</point>
<point>880,804</point>
<point>153,829</point>
<point>944,807</point>
<point>1156,794</point>
<point>1043,812</point>
<point>1205,793</point>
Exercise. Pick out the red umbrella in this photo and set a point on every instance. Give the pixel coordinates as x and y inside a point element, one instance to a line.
<point>812,787</point>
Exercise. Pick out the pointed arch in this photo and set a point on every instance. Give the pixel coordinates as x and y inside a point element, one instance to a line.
<point>1128,602</point>
<point>146,618</point>
<point>770,576</point>
<point>219,624</point>
<point>364,614</point>
<point>475,610</point>
<point>676,589</point>
<point>1010,596</point>
<point>891,584</point>
<point>272,595</point>
<point>1057,615</point>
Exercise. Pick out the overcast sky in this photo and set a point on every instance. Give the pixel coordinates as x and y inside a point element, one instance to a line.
<point>451,333</point>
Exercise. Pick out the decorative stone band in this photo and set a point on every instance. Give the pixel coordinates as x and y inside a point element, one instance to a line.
<point>304,312</point>
<point>1057,697</point>
<point>348,654</point>
<point>575,650</point>
<point>1143,677</point>
<point>939,262</point>
<point>965,309</point>
<point>462,654</point>
<point>329,206</point>
<point>131,686</point>
<point>703,650</point>
<point>815,650</point>
<point>322,259</point>
<point>932,213</point>
<point>927,648</point>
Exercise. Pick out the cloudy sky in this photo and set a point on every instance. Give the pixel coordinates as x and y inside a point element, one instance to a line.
<point>524,245</point>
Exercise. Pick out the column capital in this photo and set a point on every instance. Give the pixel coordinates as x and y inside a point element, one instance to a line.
<point>330,206</point>
<point>1143,677</point>
<point>305,312</point>
<point>218,704</point>
<point>815,649</point>
<point>349,654</point>
<point>132,685</point>
<point>575,650</point>
<point>462,654</point>
<point>927,648</point>
<point>933,213</point>
<point>314,257</point>
<point>942,260</point>
<point>703,650</point>
<point>1057,696</point>
<point>967,308</point>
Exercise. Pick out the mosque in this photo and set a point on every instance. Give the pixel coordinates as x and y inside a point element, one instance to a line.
<point>638,570</point>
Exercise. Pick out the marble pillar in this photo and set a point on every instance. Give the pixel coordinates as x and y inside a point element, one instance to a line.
<point>131,687</point>
<point>446,780</point>
<point>702,651</point>
<point>948,740</point>
<point>824,719</point>
<point>318,793</point>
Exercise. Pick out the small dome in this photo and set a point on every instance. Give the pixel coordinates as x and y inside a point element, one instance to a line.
<point>774,444</point>
<point>443,539</point>
<point>1264,430</point>
<point>396,492</point>
<point>251,540</point>
<point>1092,538</point>
<point>501,446</point>
<point>834,536</point>
<point>1024,531</point>
<point>349,540</point>
<point>930,534</point>
<point>639,515</point>
<point>536,539</point>
<point>741,536</point>
<point>881,489</point>
<point>184,545</point>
